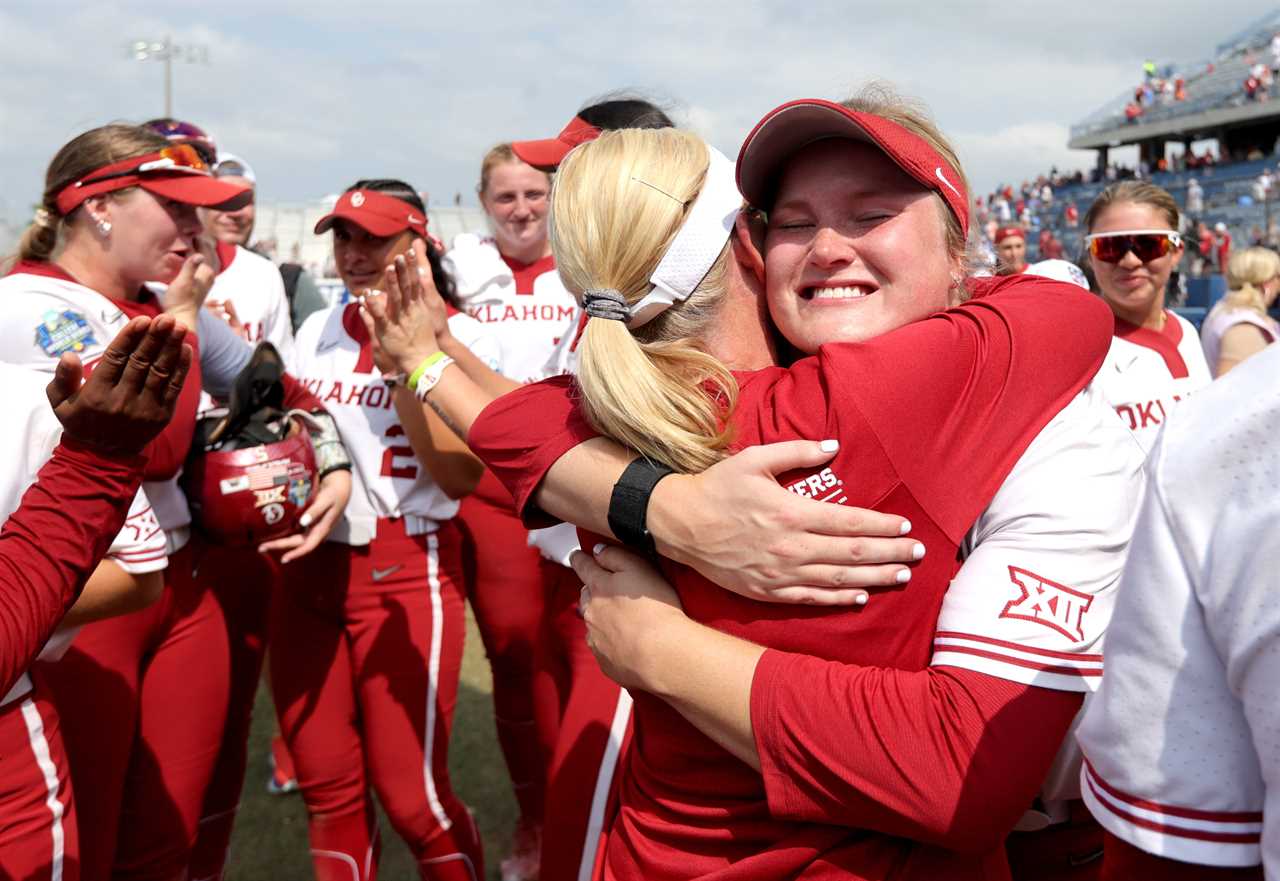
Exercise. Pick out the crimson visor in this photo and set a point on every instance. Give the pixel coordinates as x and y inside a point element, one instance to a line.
<point>548,153</point>
<point>376,213</point>
<point>176,172</point>
<point>787,129</point>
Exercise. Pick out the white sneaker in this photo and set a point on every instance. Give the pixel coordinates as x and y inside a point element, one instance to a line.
<point>526,852</point>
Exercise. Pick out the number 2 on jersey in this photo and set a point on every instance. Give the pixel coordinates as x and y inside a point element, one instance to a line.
<point>399,451</point>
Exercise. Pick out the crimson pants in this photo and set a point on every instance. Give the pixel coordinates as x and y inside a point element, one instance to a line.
<point>142,699</point>
<point>38,840</point>
<point>366,648</point>
<point>1068,851</point>
<point>507,594</point>
<point>242,581</point>
<point>593,728</point>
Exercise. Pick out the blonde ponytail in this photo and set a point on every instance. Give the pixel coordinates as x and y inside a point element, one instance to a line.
<point>617,203</point>
<point>1247,271</point>
<point>40,238</point>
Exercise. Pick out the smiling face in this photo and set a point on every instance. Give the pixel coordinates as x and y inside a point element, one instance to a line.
<point>515,198</point>
<point>151,236</point>
<point>361,257</point>
<point>854,247</point>
<point>232,227</point>
<point>1012,252</point>
<point>1134,290</point>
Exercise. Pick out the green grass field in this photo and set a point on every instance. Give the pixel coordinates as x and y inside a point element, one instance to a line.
<point>270,840</point>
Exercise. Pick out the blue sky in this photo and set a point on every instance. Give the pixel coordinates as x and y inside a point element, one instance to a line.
<point>316,94</point>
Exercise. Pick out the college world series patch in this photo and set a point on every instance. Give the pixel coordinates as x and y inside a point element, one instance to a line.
<point>64,331</point>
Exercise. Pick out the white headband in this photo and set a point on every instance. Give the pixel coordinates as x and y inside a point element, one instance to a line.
<point>698,243</point>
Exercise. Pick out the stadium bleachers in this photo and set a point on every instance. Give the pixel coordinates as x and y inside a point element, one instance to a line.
<point>1223,186</point>
<point>1210,83</point>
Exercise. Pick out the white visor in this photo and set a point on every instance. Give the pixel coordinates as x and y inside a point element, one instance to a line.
<point>697,245</point>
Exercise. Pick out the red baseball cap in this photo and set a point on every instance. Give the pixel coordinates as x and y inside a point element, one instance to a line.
<point>787,129</point>
<point>175,172</point>
<point>376,213</point>
<point>1009,232</point>
<point>548,153</point>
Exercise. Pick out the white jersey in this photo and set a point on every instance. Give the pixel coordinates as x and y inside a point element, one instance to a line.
<point>335,363</point>
<point>1033,598</point>
<point>1147,372</point>
<point>25,446</point>
<point>525,308</point>
<point>44,312</point>
<point>252,284</point>
<point>564,357</point>
<point>1222,318</point>
<point>1183,739</point>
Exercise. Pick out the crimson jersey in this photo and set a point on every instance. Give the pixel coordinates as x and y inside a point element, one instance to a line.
<point>982,407</point>
<point>335,363</point>
<point>1183,739</point>
<point>1147,372</point>
<point>524,307</point>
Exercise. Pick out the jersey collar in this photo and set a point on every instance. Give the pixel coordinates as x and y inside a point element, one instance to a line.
<point>1163,342</point>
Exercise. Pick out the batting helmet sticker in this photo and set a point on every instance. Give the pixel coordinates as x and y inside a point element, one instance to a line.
<point>299,490</point>
<point>230,485</point>
<point>254,494</point>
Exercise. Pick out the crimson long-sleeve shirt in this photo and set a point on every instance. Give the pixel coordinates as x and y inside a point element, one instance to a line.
<point>51,544</point>
<point>874,764</point>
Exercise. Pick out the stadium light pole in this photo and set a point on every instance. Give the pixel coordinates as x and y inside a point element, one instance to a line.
<point>167,51</point>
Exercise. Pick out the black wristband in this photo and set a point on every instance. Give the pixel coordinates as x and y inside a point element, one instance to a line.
<point>629,504</point>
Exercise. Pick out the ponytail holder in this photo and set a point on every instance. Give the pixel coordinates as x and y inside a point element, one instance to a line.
<point>605,303</point>
<point>43,217</point>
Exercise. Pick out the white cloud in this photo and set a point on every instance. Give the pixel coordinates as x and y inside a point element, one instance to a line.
<point>1017,152</point>
<point>316,93</point>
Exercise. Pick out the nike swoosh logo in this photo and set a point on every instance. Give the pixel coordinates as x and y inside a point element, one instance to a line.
<point>415,219</point>
<point>938,171</point>
<point>1084,858</point>
<point>379,574</point>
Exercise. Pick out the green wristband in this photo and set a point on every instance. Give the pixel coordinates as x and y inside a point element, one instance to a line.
<point>422,368</point>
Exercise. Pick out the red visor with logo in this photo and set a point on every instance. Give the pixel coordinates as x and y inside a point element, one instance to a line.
<point>176,172</point>
<point>548,153</point>
<point>376,213</point>
<point>787,129</point>
<point>1009,232</point>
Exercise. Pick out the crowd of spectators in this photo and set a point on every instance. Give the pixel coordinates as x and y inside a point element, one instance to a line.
<point>1261,77</point>
<point>1159,87</point>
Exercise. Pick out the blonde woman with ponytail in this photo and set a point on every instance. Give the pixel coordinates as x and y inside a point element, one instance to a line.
<point>1238,325</point>
<point>640,224</point>
<point>652,383</point>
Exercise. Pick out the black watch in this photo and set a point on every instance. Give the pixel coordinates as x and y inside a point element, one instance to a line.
<point>629,504</point>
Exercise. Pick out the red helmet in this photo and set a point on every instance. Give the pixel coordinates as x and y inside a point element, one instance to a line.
<point>255,493</point>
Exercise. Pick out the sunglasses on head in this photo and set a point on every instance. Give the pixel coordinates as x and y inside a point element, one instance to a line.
<point>1146,244</point>
<point>176,157</point>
